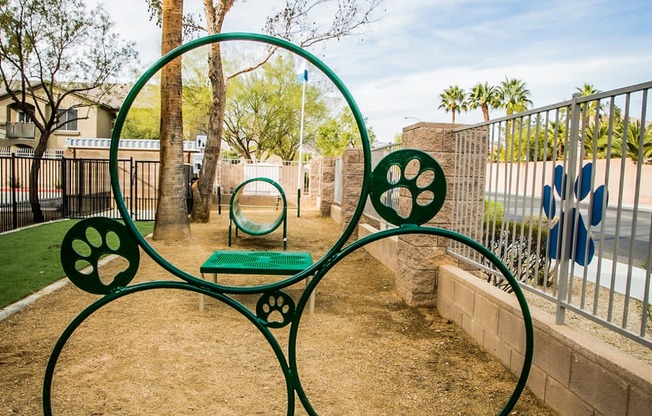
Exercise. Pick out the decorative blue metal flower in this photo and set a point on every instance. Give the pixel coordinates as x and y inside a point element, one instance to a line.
<point>580,247</point>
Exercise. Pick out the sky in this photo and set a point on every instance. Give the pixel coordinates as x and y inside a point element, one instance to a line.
<point>396,67</point>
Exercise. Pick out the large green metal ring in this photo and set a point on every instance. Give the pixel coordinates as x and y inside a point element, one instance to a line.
<point>225,37</point>
<point>414,229</point>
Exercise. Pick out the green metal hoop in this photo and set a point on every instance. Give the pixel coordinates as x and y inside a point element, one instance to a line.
<point>227,37</point>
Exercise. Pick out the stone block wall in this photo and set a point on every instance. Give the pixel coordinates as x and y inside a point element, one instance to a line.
<point>572,372</point>
<point>314,197</point>
<point>419,256</point>
<point>327,188</point>
<point>352,178</point>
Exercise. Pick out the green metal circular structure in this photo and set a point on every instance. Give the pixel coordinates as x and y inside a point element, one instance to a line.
<point>229,37</point>
<point>86,243</point>
<point>244,223</point>
<point>416,175</point>
<point>247,225</point>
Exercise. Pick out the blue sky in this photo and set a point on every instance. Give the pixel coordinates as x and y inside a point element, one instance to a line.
<point>399,65</point>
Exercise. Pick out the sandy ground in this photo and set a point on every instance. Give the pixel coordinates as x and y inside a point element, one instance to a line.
<point>363,352</point>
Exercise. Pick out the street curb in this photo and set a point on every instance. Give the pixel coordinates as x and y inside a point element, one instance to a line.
<point>16,307</point>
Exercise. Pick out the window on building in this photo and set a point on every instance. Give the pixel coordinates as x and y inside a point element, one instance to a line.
<point>23,117</point>
<point>69,117</point>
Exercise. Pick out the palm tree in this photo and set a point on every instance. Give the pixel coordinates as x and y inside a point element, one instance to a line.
<point>453,99</point>
<point>587,89</point>
<point>514,96</point>
<point>171,213</point>
<point>485,97</point>
<point>633,141</point>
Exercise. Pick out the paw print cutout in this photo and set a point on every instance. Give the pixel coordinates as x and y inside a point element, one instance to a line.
<point>275,309</point>
<point>419,176</point>
<point>580,247</point>
<point>88,242</point>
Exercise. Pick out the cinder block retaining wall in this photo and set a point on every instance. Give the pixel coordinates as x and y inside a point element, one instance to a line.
<point>572,372</point>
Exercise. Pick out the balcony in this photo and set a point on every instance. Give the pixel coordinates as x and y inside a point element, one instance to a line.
<point>20,131</point>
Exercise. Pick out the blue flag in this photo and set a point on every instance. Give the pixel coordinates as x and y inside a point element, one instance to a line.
<point>302,76</point>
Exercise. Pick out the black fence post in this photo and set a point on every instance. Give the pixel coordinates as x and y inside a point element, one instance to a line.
<point>132,179</point>
<point>64,188</point>
<point>12,184</point>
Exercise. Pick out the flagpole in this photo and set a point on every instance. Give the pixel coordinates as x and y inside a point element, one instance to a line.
<point>304,78</point>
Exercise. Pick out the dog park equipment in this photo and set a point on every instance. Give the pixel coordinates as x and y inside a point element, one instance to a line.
<point>427,187</point>
<point>258,262</point>
<point>239,219</point>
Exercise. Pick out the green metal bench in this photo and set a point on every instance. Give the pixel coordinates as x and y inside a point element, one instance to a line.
<point>241,222</point>
<point>257,262</point>
<point>427,199</point>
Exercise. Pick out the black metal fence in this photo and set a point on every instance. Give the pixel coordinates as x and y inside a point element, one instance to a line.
<point>76,188</point>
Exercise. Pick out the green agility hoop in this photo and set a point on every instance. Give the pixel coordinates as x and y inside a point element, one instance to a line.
<point>238,218</point>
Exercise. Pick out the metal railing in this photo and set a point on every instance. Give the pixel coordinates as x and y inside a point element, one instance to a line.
<point>390,198</point>
<point>565,201</point>
<point>76,188</point>
<point>29,152</point>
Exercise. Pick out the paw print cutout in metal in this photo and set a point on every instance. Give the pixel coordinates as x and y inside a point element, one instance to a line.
<point>275,309</point>
<point>416,173</point>
<point>87,242</point>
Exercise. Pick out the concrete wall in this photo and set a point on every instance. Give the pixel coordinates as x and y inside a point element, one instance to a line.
<point>572,372</point>
<point>542,172</point>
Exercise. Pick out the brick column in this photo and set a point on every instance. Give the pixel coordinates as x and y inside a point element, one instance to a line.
<point>419,256</point>
<point>327,191</point>
<point>314,194</point>
<point>352,176</point>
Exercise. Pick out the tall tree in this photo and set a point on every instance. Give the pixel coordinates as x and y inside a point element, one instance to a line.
<point>587,89</point>
<point>262,111</point>
<point>638,141</point>
<point>514,95</point>
<point>171,212</point>
<point>56,62</point>
<point>453,99</point>
<point>335,135</point>
<point>485,97</point>
<point>304,22</point>
<point>299,21</point>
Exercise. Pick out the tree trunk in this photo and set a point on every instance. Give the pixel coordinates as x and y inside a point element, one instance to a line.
<point>171,211</point>
<point>35,203</point>
<point>485,112</point>
<point>203,197</point>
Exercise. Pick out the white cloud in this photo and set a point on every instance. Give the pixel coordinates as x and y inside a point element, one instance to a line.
<point>399,65</point>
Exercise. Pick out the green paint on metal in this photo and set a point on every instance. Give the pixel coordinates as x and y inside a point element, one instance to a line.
<point>230,37</point>
<point>90,240</point>
<point>412,172</point>
<point>275,309</point>
<point>416,173</point>
<point>242,222</point>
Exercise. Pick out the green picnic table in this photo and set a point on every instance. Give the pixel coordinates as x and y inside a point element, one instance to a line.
<point>286,263</point>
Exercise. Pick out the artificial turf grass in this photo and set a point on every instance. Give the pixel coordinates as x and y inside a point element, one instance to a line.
<point>30,258</point>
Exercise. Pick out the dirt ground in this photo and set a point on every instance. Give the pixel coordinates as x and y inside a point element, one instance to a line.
<point>362,352</point>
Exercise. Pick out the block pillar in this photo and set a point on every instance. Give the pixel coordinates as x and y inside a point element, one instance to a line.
<point>327,183</point>
<point>352,178</point>
<point>420,256</point>
<point>314,194</point>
